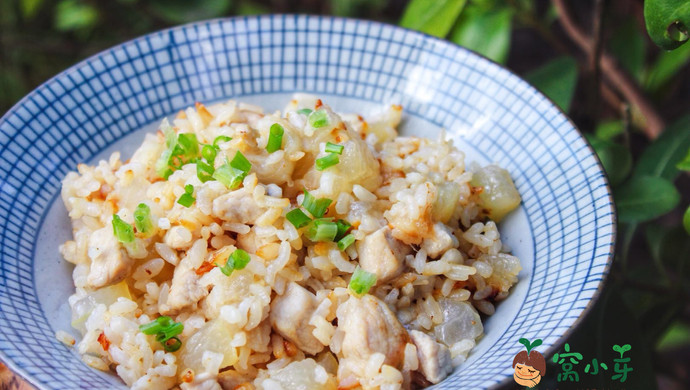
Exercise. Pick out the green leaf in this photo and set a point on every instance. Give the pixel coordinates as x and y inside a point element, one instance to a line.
<point>666,66</point>
<point>615,158</point>
<point>608,130</point>
<point>661,157</point>
<point>183,11</point>
<point>485,30</point>
<point>684,164</point>
<point>677,336</point>
<point>686,220</point>
<point>557,80</point>
<point>432,17</point>
<point>628,45</point>
<point>252,8</point>
<point>75,15</point>
<point>667,22</point>
<point>30,7</point>
<point>645,197</point>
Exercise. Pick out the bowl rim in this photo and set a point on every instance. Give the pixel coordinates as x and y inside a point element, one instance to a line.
<point>21,372</point>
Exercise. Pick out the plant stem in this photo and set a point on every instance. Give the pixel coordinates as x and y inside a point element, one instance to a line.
<point>613,72</point>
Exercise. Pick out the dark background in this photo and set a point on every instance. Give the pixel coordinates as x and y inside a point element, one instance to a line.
<point>634,109</point>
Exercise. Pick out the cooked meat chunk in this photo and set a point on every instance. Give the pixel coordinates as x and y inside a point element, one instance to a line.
<point>369,327</point>
<point>382,254</point>
<point>231,379</point>
<point>185,289</point>
<point>290,314</point>
<point>109,261</point>
<point>237,206</point>
<point>434,358</point>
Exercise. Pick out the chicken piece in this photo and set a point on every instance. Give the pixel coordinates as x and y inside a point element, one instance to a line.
<point>369,327</point>
<point>237,206</point>
<point>185,289</point>
<point>382,254</point>
<point>231,379</point>
<point>434,358</point>
<point>290,314</point>
<point>109,262</point>
<point>441,240</point>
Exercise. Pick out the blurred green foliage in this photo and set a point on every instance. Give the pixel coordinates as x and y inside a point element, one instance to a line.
<point>646,299</point>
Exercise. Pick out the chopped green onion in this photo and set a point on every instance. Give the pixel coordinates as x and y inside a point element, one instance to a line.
<point>169,332</point>
<point>231,177</point>
<point>318,118</point>
<point>334,148</point>
<point>327,161</point>
<point>172,344</point>
<point>180,149</point>
<point>166,331</point>
<point>240,162</point>
<point>343,227</point>
<point>322,230</point>
<point>297,218</point>
<point>163,163</point>
<point>304,111</point>
<point>142,218</point>
<point>346,241</point>
<point>275,138</point>
<point>187,198</point>
<point>361,281</point>
<point>209,152</point>
<point>237,260</point>
<point>162,324</point>
<point>123,231</point>
<point>204,171</point>
<point>316,207</point>
<point>221,138</point>
<point>186,150</point>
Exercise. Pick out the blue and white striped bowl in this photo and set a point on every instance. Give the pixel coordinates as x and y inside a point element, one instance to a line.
<point>563,232</point>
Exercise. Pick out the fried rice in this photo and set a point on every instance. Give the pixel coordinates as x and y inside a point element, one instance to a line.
<point>162,239</point>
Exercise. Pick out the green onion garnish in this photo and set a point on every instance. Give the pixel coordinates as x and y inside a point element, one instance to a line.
<point>221,138</point>
<point>327,161</point>
<point>123,231</point>
<point>346,241</point>
<point>231,177</point>
<point>318,118</point>
<point>334,148</point>
<point>209,152</point>
<point>187,199</point>
<point>166,331</point>
<point>142,218</point>
<point>361,281</point>
<point>275,138</point>
<point>172,344</point>
<point>322,230</point>
<point>237,260</point>
<point>204,171</point>
<point>343,227</point>
<point>187,146</point>
<point>162,164</point>
<point>240,162</point>
<point>297,218</point>
<point>316,207</point>
<point>304,111</point>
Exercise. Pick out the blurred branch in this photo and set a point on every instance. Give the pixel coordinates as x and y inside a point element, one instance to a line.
<point>613,72</point>
<point>595,57</point>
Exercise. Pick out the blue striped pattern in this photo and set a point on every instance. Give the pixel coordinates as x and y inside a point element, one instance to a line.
<point>95,103</point>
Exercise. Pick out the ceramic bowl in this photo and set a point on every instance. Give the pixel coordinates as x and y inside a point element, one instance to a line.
<point>563,231</point>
